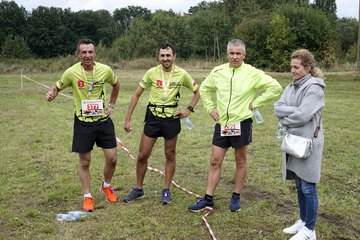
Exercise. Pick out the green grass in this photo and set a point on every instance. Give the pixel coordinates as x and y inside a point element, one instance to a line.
<point>38,172</point>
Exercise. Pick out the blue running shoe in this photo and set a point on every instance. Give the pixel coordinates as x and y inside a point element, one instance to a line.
<point>165,197</point>
<point>235,203</point>
<point>200,205</point>
<point>133,195</point>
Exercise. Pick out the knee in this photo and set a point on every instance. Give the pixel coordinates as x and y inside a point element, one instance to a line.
<point>241,162</point>
<point>113,160</point>
<point>215,162</point>
<point>309,189</point>
<point>84,164</point>
<point>170,154</point>
<point>143,157</point>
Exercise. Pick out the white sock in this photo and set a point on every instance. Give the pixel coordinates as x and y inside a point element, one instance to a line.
<point>105,184</point>
<point>87,195</point>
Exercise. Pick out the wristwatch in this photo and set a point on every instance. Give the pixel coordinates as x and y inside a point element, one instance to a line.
<point>111,105</point>
<point>190,108</point>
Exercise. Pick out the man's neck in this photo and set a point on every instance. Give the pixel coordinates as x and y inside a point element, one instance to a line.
<point>88,68</point>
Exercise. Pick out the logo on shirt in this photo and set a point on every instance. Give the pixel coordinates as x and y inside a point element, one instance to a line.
<point>81,83</point>
<point>159,83</point>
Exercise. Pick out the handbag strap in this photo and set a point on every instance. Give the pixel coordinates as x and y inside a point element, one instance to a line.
<point>317,128</point>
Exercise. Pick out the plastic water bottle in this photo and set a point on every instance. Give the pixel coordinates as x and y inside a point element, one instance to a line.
<point>188,123</point>
<point>279,133</point>
<point>71,216</point>
<point>257,116</point>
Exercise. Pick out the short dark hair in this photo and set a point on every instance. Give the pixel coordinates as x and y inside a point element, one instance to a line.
<point>84,41</point>
<point>168,45</point>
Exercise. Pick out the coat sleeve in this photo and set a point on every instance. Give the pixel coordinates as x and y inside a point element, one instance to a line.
<point>312,102</point>
<point>281,109</point>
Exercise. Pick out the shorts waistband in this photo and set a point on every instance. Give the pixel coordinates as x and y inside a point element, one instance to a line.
<point>93,123</point>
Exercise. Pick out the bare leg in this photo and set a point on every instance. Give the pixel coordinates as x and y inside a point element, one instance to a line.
<point>170,155</point>
<point>84,171</point>
<point>110,164</point>
<point>217,157</point>
<point>145,149</point>
<point>241,154</point>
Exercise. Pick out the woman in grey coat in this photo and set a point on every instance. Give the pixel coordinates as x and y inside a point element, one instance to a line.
<point>299,110</point>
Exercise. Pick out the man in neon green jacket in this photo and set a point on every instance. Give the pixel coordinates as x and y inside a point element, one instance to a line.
<point>236,85</point>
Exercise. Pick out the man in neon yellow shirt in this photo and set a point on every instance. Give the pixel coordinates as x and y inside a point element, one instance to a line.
<point>162,117</point>
<point>236,84</point>
<point>92,123</point>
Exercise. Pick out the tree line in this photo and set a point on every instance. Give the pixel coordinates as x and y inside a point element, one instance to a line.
<point>271,30</point>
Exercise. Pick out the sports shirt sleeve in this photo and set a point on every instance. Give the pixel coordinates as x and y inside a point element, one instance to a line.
<point>270,85</point>
<point>206,88</point>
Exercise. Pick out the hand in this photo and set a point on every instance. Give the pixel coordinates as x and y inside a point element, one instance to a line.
<point>214,114</point>
<point>52,93</point>
<point>127,125</point>
<point>109,111</point>
<point>183,113</point>
<point>251,106</point>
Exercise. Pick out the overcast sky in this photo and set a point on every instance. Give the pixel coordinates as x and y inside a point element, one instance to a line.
<point>345,8</point>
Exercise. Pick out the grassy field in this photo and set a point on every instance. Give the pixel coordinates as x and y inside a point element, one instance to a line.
<point>38,172</point>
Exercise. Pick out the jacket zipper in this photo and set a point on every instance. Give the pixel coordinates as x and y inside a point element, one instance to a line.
<point>227,109</point>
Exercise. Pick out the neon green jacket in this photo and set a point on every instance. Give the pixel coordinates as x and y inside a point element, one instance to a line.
<point>235,89</point>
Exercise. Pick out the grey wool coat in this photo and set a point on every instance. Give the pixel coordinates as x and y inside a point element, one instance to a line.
<point>299,110</point>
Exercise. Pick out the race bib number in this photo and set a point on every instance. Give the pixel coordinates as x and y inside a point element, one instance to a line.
<point>231,130</point>
<point>91,108</point>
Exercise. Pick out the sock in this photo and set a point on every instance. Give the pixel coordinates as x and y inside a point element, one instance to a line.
<point>208,198</point>
<point>87,195</point>
<point>105,184</point>
<point>236,194</point>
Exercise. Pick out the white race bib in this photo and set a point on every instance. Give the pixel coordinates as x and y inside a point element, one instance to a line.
<point>92,108</point>
<point>231,130</point>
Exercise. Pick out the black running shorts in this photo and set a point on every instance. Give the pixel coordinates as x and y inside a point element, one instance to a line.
<point>87,133</point>
<point>234,141</point>
<point>161,127</point>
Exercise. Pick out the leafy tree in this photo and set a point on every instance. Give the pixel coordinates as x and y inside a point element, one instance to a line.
<point>15,47</point>
<point>46,32</point>
<point>124,16</point>
<point>206,34</point>
<point>96,25</point>
<point>254,32</point>
<point>280,41</point>
<point>326,6</point>
<point>346,29</point>
<point>310,26</point>
<point>12,20</point>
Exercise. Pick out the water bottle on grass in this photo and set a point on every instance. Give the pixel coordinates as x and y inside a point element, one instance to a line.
<point>71,216</point>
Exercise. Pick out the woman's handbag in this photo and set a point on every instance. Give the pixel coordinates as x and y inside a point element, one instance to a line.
<point>297,146</point>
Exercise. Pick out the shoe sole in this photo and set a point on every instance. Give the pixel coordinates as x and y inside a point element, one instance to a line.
<point>202,209</point>
<point>235,210</point>
<point>126,201</point>
<point>106,197</point>
<point>292,233</point>
<point>165,203</point>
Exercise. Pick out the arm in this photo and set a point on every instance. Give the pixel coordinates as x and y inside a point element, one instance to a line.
<point>272,90</point>
<point>312,102</point>
<point>194,101</point>
<point>133,102</point>
<point>113,97</point>
<point>282,110</point>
